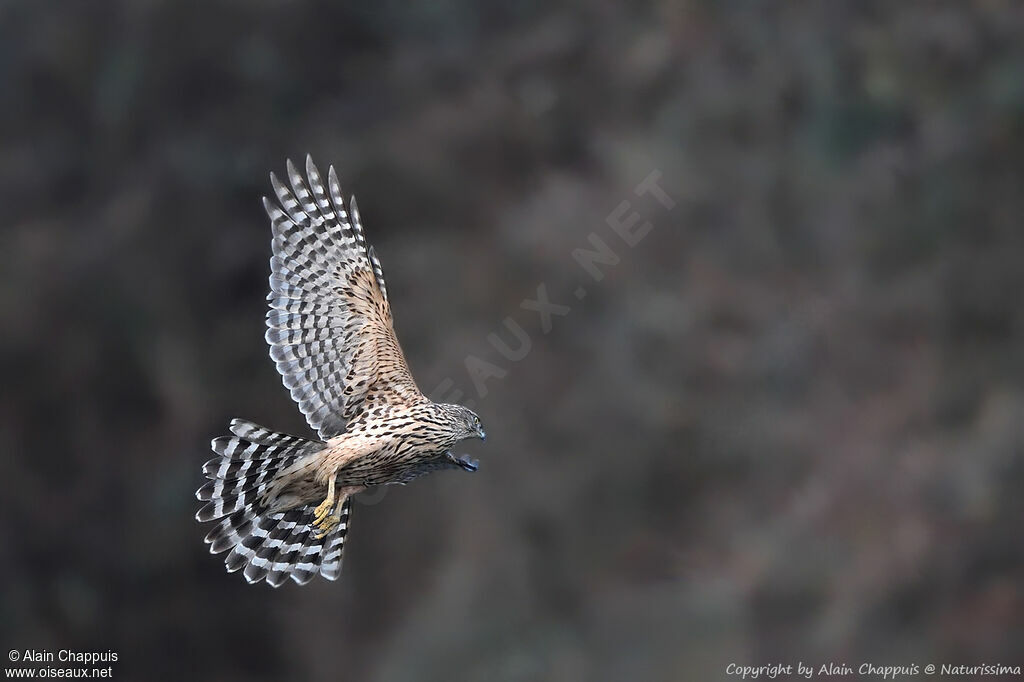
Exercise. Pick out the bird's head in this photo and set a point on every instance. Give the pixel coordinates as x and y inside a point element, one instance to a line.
<point>465,422</point>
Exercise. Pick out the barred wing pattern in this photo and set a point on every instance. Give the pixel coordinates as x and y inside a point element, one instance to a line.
<point>329,325</point>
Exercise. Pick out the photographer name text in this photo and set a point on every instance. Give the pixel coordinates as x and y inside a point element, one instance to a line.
<point>866,670</point>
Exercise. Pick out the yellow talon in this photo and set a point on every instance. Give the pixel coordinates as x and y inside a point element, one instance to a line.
<point>325,526</point>
<point>323,520</point>
<point>322,511</point>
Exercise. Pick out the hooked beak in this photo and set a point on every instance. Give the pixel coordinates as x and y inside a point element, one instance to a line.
<point>480,433</point>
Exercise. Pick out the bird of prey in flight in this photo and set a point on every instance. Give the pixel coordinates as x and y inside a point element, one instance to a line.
<point>282,503</point>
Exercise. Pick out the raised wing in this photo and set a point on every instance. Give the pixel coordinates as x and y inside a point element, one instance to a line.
<point>329,325</point>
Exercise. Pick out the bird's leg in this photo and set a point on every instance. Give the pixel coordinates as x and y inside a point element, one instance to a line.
<point>321,515</point>
<point>332,521</point>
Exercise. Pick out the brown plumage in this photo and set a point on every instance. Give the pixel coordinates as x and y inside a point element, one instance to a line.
<point>284,501</point>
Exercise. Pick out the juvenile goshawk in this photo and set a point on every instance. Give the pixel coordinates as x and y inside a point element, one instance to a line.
<point>283,502</point>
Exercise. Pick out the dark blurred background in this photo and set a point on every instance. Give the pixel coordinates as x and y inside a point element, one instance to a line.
<point>786,426</point>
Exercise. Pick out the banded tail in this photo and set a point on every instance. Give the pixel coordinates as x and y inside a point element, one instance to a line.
<point>271,545</point>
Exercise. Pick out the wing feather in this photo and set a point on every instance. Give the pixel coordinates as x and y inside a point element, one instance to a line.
<point>329,326</point>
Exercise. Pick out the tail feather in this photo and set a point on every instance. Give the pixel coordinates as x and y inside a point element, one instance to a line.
<point>268,545</point>
<point>254,433</point>
<point>281,563</point>
<point>229,532</point>
<point>330,558</point>
<point>230,470</point>
<point>239,486</point>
